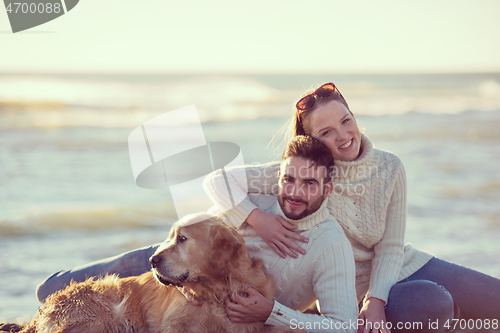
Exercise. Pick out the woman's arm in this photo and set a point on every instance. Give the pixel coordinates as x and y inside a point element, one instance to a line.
<point>389,252</point>
<point>389,256</point>
<point>334,286</point>
<point>228,189</point>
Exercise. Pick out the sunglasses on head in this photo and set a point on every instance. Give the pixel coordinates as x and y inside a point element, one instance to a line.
<point>307,102</point>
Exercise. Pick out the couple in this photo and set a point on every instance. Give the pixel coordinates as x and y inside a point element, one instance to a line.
<point>394,282</point>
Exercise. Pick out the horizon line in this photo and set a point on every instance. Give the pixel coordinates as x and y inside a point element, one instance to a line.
<point>234,73</point>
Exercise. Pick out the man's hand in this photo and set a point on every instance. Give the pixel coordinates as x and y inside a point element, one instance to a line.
<point>373,314</point>
<point>276,232</point>
<point>255,307</point>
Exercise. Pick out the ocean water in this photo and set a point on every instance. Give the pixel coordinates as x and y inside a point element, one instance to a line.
<point>68,196</point>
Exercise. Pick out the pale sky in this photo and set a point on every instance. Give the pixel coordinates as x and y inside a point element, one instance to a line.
<point>259,36</point>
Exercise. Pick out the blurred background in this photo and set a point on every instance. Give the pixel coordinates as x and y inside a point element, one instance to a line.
<point>423,79</point>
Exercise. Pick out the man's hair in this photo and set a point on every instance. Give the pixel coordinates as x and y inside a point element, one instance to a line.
<point>311,149</point>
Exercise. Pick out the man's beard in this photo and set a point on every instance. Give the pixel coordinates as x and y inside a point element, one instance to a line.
<point>311,207</point>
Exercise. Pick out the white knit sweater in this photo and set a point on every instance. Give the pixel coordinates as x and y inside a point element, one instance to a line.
<point>325,273</point>
<point>368,200</point>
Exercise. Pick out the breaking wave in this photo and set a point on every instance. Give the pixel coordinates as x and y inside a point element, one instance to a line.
<point>127,101</point>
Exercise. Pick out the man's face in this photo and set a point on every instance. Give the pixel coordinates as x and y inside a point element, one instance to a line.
<point>301,187</point>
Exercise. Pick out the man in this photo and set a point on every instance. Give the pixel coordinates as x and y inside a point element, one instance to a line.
<point>325,273</point>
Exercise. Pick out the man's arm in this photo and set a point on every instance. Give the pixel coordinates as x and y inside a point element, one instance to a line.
<point>334,286</point>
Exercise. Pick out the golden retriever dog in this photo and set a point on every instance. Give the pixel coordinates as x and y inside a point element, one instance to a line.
<point>205,258</point>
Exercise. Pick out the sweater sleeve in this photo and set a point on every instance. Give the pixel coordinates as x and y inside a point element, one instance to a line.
<point>228,189</point>
<point>334,286</point>
<point>389,252</point>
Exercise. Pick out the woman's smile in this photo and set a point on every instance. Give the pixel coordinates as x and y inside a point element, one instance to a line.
<point>347,145</point>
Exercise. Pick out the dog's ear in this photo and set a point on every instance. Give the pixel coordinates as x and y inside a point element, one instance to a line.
<point>227,249</point>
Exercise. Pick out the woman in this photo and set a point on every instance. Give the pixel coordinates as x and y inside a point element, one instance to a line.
<point>394,282</point>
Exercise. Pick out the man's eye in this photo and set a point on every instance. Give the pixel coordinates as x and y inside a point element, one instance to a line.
<point>181,239</point>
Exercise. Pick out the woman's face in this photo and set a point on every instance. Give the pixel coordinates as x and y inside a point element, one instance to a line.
<point>334,125</point>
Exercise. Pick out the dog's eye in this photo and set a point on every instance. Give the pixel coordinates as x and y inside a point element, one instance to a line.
<point>181,239</point>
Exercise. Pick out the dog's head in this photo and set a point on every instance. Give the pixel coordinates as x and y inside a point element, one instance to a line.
<point>199,249</point>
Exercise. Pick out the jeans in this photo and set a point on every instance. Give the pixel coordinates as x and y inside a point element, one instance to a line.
<point>428,296</point>
<point>132,263</point>
<point>431,294</point>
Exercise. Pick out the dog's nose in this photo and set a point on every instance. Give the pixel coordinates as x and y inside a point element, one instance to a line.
<point>155,260</point>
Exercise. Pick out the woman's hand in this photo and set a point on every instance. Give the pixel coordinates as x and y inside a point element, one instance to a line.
<point>276,232</point>
<point>373,316</point>
<point>252,308</point>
